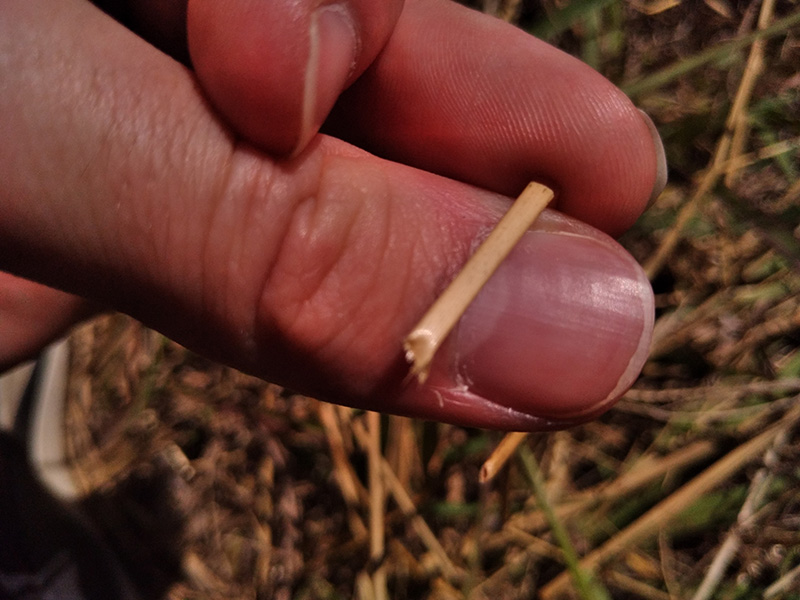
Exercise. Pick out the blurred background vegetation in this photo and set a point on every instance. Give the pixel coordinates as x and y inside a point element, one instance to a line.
<point>217,485</point>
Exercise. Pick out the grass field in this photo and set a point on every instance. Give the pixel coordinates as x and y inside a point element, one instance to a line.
<point>217,485</point>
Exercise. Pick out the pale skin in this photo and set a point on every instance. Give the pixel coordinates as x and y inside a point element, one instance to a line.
<point>204,201</point>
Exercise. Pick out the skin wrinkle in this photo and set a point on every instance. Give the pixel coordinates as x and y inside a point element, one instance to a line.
<point>351,335</point>
<point>579,128</point>
<point>307,241</point>
<point>383,252</point>
<point>482,104</point>
<point>633,153</point>
<point>416,270</point>
<point>443,271</point>
<point>269,297</point>
<point>172,237</point>
<point>374,215</point>
<point>521,121</point>
<point>219,193</point>
<point>259,185</point>
<point>180,136</point>
<point>328,282</point>
<point>326,296</point>
<point>29,74</point>
<point>368,303</point>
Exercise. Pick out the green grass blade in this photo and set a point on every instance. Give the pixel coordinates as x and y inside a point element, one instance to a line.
<point>587,586</point>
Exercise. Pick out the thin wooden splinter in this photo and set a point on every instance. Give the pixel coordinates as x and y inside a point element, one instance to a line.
<point>499,457</point>
<point>425,339</point>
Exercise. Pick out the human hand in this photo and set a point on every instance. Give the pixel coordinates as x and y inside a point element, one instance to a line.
<point>123,185</point>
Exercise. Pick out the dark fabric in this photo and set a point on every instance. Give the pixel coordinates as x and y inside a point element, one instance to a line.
<point>47,549</point>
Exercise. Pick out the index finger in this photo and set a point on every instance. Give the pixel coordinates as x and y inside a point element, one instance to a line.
<point>470,97</point>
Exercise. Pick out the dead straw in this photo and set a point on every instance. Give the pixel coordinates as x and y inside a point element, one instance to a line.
<point>671,507</point>
<point>752,71</point>
<point>687,65</point>
<point>746,518</point>
<point>377,527</point>
<point>425,339</point>
<point>783,585</point>
<point>726,149</point>
<point>499,457</point>
<point>406,505</point>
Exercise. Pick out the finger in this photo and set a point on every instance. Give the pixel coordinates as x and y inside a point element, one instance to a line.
<point>33,316</point>
<point>471,97</point>
<point>275,69</point>
<point>306,272</point>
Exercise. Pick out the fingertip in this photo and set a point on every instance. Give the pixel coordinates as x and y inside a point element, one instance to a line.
<point>333,50</point>
<point>556,336</point>
<point>607,172</point>
<point>660,181</point>
<point>445,96</point>
<point>274,70</point>
<point>250,58</point>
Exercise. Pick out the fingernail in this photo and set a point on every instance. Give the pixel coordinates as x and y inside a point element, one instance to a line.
<point>562,328</point>
<point>661,159</point>
<point>332,54</point>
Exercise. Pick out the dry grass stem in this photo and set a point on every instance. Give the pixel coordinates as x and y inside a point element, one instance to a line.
<point>377,526</point>
<point>400,448</point>
<point>733,541</point>
<point>706,417</point>
<point>499,457</point>
<point>639,589</point>
<point>534,545</point>
<point>406,504</point>
<point>785,584</point>
<point>752,71</point>
<point>376,495</point>
<point>669,508</point>
<point>654,7</point>
<point>425,339</point>
<point>646,470</point>
<point>720,390</point>
<point>739,162</point>
<point>722,154</point>
<point>364,589</point>
<point>352,491</point>
<point>380,583</point>
<point>658,259</point>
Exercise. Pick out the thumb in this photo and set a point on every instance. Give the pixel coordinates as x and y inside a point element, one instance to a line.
<point>275,69</point>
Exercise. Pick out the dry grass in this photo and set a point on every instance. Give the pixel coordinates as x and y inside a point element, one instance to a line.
<point>687,489</point>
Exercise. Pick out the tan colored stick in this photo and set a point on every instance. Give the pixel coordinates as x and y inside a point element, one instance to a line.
<point>500,455</point>
<point>425,339</point>
<point>376,493</point>
<point>670,507</point>
<point>403,499</point>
